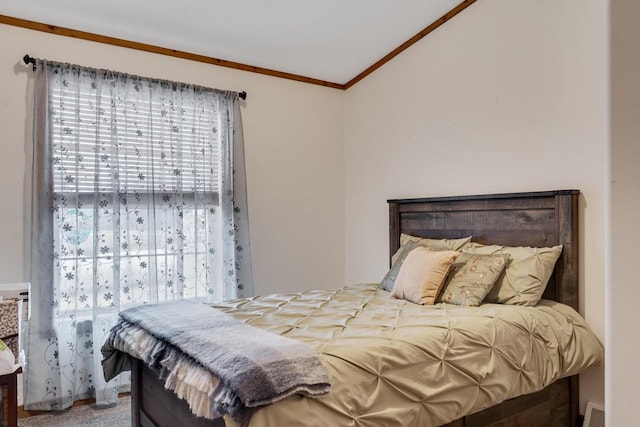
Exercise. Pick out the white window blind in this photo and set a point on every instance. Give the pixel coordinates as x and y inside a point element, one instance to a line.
<point>142,145</point>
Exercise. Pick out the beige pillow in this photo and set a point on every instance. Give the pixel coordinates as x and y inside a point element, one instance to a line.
<point>525,276</point>
<point>422,274</point>
<point>471,278</point>
<point>435,244</point>
<point>390,278</point>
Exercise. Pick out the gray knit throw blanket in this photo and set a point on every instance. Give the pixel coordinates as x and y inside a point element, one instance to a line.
<point>220,365</point>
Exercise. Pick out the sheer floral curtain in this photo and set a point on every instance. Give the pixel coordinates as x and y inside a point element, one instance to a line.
<point>139,197</point>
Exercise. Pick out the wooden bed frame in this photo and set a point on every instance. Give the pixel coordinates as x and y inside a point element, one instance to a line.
<point>519,219</point>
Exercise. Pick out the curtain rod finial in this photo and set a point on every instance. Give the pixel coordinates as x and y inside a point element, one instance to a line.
<point>29,60</point>
<point>242,95</point>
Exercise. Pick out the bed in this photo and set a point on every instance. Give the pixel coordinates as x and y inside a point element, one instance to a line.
<point>539,219</point>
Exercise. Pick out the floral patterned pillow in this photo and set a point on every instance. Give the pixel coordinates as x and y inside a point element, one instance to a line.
<point>471,278</point>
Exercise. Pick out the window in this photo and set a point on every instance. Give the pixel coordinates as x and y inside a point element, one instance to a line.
<point>137,176</point>
<point>138,197</point>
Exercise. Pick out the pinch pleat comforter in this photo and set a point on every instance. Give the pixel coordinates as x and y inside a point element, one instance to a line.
<point>395,363</point>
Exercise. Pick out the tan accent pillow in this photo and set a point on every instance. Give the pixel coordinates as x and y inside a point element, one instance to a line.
<point>435,244</point>
<point>471,278</point>
<point>525,276</point>
<point>390,278</point>
<point>422,274</point>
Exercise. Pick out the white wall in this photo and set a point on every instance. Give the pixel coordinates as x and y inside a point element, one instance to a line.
<point>507,97</point>
<point>294,154</point>
<point>623,293</point>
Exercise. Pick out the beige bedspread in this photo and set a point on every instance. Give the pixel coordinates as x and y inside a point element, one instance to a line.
<point>395,363</point>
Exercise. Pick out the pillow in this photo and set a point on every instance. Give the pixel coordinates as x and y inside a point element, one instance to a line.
<point>525,276</point>
<point>471,278</point>
<point>422,274</point>
<point>435,244</point>
<point>390,278</point>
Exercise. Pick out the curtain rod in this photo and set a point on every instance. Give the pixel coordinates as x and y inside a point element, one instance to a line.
<point>29,60</point>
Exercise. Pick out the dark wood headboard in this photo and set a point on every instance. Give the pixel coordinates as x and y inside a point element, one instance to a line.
<point>538,219</point>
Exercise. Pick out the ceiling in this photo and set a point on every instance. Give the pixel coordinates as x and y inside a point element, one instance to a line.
<point>328,40</point>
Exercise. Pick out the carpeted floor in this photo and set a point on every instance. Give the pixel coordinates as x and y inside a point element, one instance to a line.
<point>86,416</point>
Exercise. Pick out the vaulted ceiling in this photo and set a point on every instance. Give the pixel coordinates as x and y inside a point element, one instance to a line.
<point>335,42</point>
